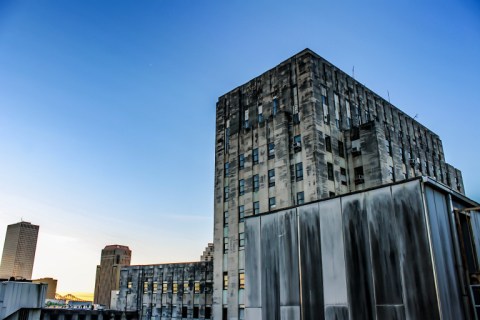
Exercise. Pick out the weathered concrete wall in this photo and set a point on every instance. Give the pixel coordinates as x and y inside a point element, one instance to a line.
<point>17,295</point>
<point>167,291</point>
<point>320,133</point>
<point>386,253</point>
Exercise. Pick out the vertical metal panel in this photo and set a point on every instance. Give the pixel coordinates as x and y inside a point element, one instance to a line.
<point>443,254</point>
<point>270,275</point>
<point>420,297</point>
<point>311,262</point>
<point>253,263</point>
<point>386,247</point>
<point>333,257</point>
<point>391,312</point>
<point>357,256</point>
<point>290,313</point>
<point>253,314</point>
<point>288,258</point>
<point>475,223</point>
<point>337,313</point>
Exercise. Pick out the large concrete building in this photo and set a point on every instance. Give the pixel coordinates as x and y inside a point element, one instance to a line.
<point>113,258</point>
<point>167,291</point>
<point>301,132</point>
<point>19,251</point>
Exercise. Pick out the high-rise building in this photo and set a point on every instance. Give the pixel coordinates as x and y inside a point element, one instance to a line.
<point>301,132</point>
<point>19,250</point>
<point>113,258</point>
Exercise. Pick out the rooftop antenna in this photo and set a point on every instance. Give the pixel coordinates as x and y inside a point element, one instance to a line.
<point>416,116</point>
<point>353,72</point>
<point>388,93</point>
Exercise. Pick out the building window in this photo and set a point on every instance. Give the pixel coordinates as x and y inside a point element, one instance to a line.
<point>225,281</point>
<point>226,191</point>
<point>300,198</point>
<point>241,280</point>
<point>195,312</point>
<point>331,194</point>
<point>129,285</point>
<point>165,287</point>
<point>241,161</point>
<point>175,287</point>
<point>349,116</point>
<point>341,149</point>
<point>225,218</point>
<point>299,171</point>
<point>255,156</point>
<point>328,144</point>
<point>358,173</point>
<point>256,183</point>
<point>241,213</point>
<point>256,207</point>
<point>246,123</point>
<point>145,287</point>
<point>271,203</point>
<point>275,106</point>
<point>155,287</point>
<point>330,171</point>
<point>227,169</point>
<point>326,115</point>
<point>271,150</point>
<point>197,287</point>
<point>241,314</point>
<point>225,245</point>
<point>260,114</point>
<point>241,187</point>
<point>297,143</point>
<point>337,110</point>
<point>241,239</point>
<point>343,172</point>
<point>208,312</point>
<point>271,177</point>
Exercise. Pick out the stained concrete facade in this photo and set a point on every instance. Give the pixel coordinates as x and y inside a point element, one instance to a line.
<point>16,296</point>
<point>301,132</point>
<point>167,291</point>
<point>107,278</point>
<point>207,254</point>
<point>19,250</point>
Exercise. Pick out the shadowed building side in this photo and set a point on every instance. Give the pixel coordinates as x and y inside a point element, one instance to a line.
<point>113,258</point>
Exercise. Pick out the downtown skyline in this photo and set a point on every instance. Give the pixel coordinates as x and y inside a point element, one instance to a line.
<point>107,112</point>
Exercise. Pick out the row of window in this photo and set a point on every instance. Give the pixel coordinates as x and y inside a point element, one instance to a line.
<point>296,175</point>
<point>241,280</point>
<point>166,287</point>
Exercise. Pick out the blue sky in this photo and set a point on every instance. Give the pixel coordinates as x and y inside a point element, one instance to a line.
<point>107,108</point>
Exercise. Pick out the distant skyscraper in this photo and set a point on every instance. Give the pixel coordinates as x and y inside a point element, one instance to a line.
<point>52,286</point>
<point>19,250</point>
<point>108,272</point>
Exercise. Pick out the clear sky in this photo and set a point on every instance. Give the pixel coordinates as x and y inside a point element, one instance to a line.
<point>107,108</point>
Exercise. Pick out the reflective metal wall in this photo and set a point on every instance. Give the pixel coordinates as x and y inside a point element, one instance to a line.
<point>382,254</point>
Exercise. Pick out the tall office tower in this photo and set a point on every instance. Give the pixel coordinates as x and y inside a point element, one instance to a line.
<point>19,250</point>
<point>113,258</point>
<point>301,132</point>
<point>51,286</point>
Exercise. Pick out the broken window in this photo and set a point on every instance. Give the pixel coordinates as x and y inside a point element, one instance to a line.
<point>271,150</point>
<point>330,171</point>
<point>328,144</point>
<point>260,114</point>
<point>297,143</point>
<point>341,149</point>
